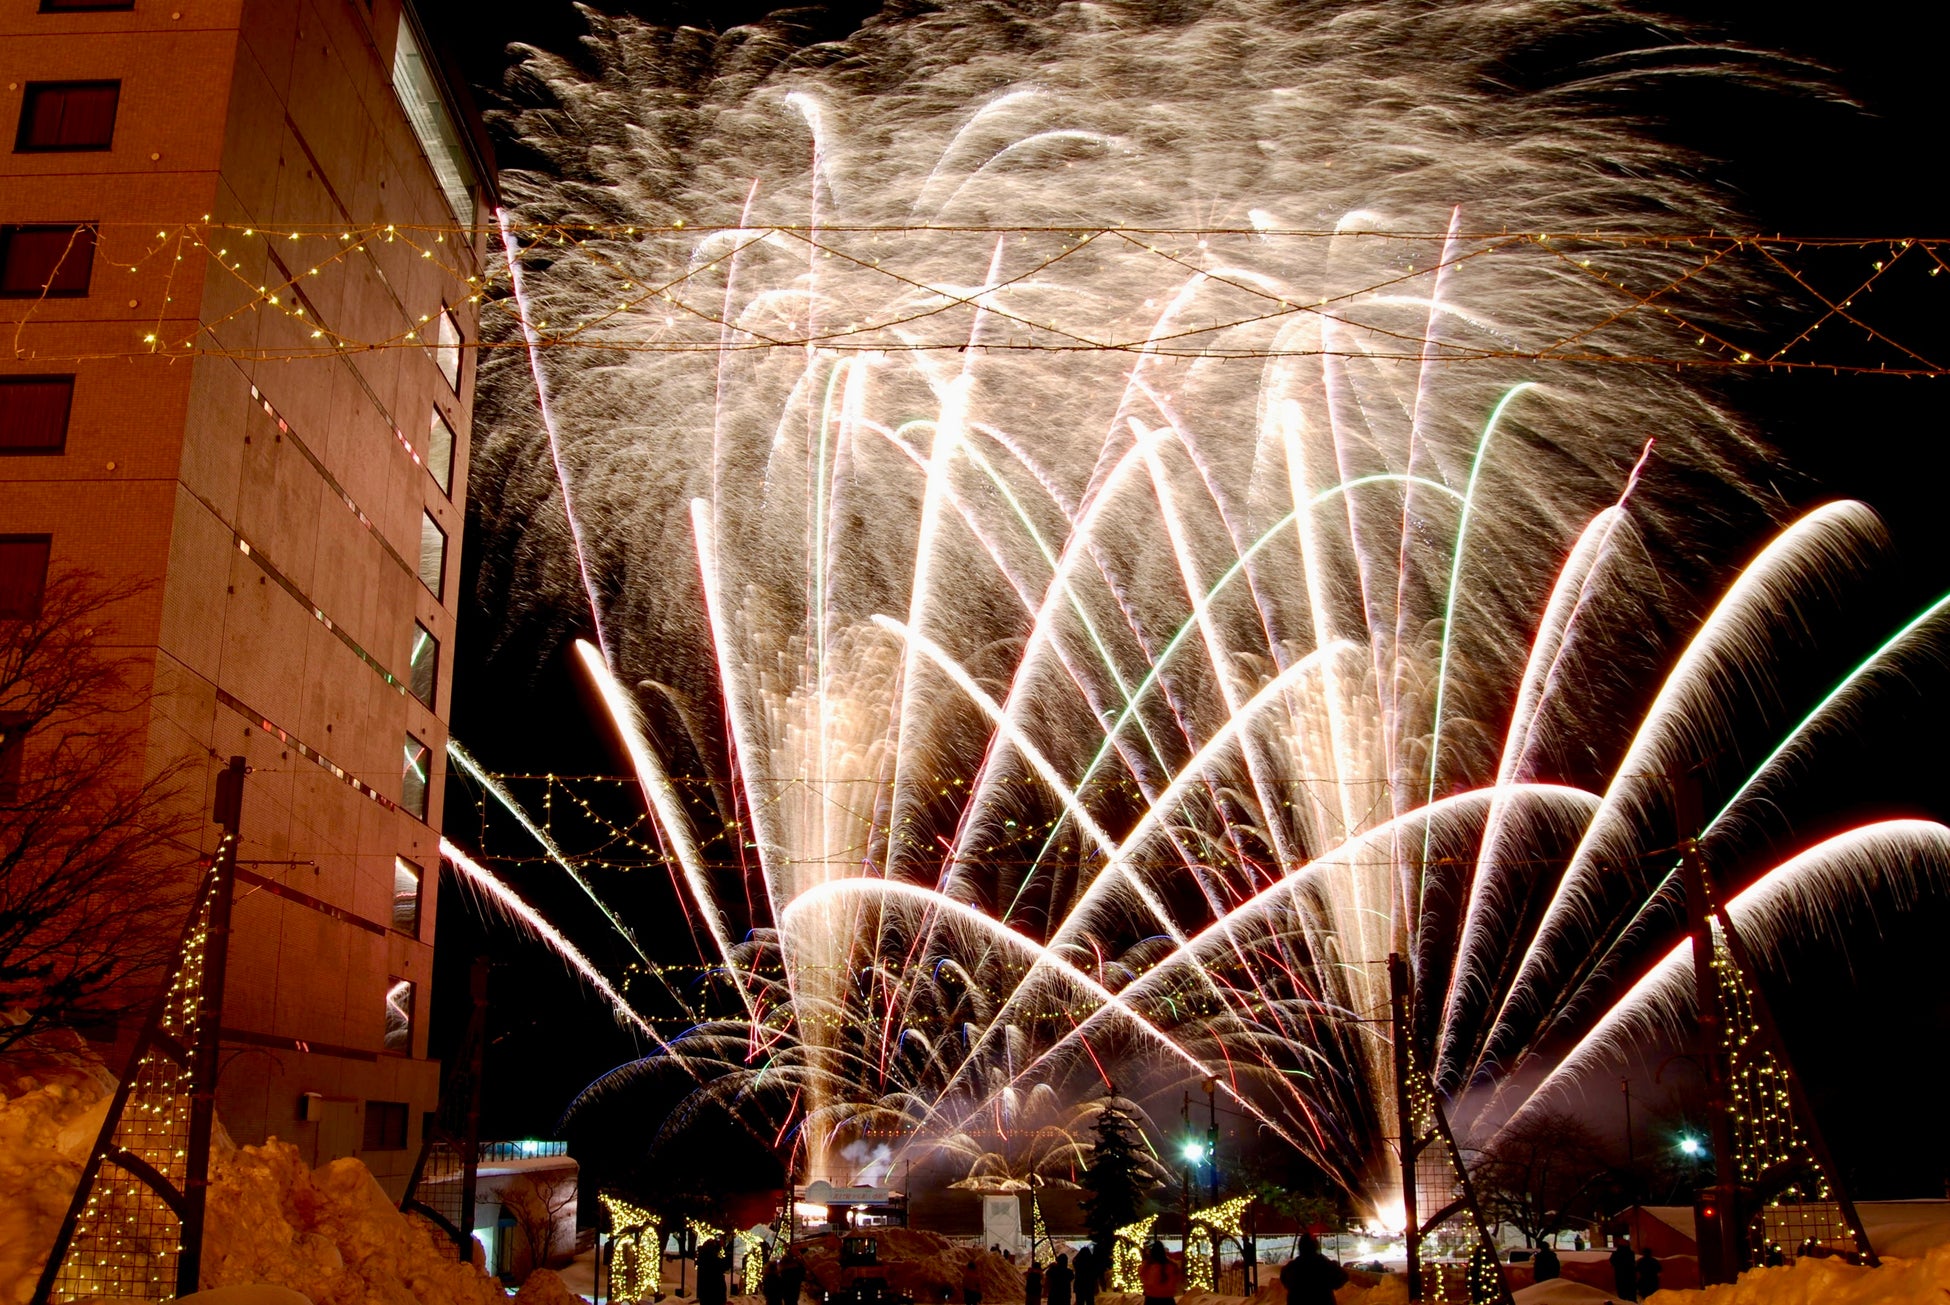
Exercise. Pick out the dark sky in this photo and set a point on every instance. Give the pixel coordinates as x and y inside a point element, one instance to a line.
<point>1875,1043</point>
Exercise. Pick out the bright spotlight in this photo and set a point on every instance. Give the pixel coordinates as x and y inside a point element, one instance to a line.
<point>1194,1152</point>
<point>1692,1146</point>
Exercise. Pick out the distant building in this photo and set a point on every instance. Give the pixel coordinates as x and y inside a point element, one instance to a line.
<point>298,522</point>
<point>821,1207</point>
<point>527,1195</point>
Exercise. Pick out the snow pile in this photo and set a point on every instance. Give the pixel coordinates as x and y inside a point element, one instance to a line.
<point>330,1233</point>
<point>54,1094</point>
<point>1359,1289</point>
<point>545,1287</point>
<point>1830,1282</point>
<point>1560,1291</point>
<point>924,1265</point>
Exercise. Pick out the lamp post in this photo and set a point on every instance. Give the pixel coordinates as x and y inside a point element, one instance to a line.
<point>1193,1151</point>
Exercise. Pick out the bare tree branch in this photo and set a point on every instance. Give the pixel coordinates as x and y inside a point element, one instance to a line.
<point>94,870</point>
<point>538,1202</point>
<point>1539,1175</point>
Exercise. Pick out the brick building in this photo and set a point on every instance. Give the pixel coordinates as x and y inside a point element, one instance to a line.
<point>296,521</point>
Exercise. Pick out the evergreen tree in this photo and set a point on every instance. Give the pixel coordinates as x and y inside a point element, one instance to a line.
<point>1118,1181</point>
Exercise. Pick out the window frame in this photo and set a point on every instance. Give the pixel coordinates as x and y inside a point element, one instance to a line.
<point>386,1042</point>
<point>9,231</point>
<point>377,1137</point>
<point>14,726</point>
<point>30,90</point>
<point>440,422</point>
<point>442,350</point>
<point>419,873</point>
<point>47,562</point>
<point>420,632</point>
<point>438,590</point>
<point>418,86</point>
<point>23,381</point>
<point>426,781</point>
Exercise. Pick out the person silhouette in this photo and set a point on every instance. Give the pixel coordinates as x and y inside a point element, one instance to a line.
<point>1624,1271</point>
<point>1647,1274</point>
<point>1310,1278</point>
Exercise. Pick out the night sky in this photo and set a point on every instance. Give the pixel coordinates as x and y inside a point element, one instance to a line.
<point>1874,1043</point>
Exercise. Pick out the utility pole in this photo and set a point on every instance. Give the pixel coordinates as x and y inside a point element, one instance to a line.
<point>1631,1159</point>
<point>228,812</point>
<point>1212,1166</point>
<point>1724,1236</point>
<point>1212,1137</point>
<point>1398,1002</point>
<point>476,1052</point>
<point>1185,1178</point>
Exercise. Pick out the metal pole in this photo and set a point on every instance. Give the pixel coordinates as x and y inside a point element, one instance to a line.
<point>1212,1160</point>
<point>1212,1136</point>
<point>1631,1159</point>
<point>1725,1235</point>
<point>1398,998</point>
<point>1185,1178</point>
<point>470,1141</point>
<point>228,812</point>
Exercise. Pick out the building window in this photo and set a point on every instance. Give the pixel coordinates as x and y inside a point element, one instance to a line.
<point>34,413</point>
<point>399,1015</point>
<point>424,666</point>
<point>51,259</point>
<point>440,451</point>
<point>419,94</point>
<point>13,742</point>
<point>414,776</point>
<point>433,555</point>
<point>23,575</point>
<point>67,116</point>
<point>385,1126</point>
<point>446,348</point>
<point>406,896</point>
<point>84,6</point>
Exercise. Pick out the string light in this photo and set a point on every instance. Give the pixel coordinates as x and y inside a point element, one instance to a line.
<point>1208,1227</point>
<point>1127,1254</point>
<point>1767,1139</point>
<point>1045,1253</point>
<point>653,270</point>
<point>637,1260</point>
<point>127,1240</point>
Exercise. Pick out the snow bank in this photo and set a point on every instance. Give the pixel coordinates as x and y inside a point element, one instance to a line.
<point>54,1094</point>
<point>329,1233</point>
<point>1830,1282</point>
<point>1560,1291</point>
<point>545,1287</point>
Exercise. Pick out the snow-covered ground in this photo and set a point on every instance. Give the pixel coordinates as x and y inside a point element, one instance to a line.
<point>1831,1282</point>
<point>331,1233</point>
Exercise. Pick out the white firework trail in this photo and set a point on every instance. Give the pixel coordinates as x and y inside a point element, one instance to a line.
<point>1075,698</point>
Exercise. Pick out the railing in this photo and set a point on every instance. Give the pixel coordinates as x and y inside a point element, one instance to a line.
<point>526,1149</point>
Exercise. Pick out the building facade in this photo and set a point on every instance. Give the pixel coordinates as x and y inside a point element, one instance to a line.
<point>237,241</point>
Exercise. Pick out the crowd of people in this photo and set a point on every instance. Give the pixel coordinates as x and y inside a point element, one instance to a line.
<point>1310,1277</point>
<point>1064,1281</point>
